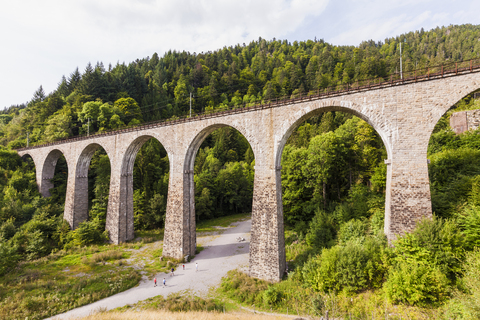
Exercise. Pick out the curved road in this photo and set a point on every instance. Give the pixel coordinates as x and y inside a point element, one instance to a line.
<point>221,254</point>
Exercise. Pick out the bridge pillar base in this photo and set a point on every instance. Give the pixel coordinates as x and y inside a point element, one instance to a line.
<point>267,244</point>
<point>180,235</point>
<point>408,197</point>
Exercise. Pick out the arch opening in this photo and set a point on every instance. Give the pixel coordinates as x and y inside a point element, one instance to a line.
<point>454,159</point>
<point>148,163</point>
<point>92,186</point>
<point>334,180</point>
<point>99,172</point>
<point>54,176</point>
<point>220,163</point>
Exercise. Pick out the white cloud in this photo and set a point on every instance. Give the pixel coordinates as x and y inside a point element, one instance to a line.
<point>42,40</point>
<point>52,37</point>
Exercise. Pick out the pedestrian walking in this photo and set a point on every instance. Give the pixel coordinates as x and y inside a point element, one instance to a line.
<point>155,282</point>
<point>172,274</point>
<point>183,267</point>
<point>164,282</point>
<point>196,266</point>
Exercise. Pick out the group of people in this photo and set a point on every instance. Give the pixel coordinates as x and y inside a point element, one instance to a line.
<point>171,275</point>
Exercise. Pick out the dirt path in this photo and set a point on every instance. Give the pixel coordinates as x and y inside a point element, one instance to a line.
<point>222,253</point>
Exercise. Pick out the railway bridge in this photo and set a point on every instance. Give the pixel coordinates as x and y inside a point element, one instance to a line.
<point>402,111</point>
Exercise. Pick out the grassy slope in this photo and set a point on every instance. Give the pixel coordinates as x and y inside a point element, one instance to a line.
<point>69,279</point>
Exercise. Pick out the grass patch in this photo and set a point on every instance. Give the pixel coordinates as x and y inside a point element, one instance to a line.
<point>177,303</point>
<point>61,282</point>
<point>103,257</point>
<point>68,279</point>
<point>167,315</point>
<point>149,236</point>
<point>210,225</point>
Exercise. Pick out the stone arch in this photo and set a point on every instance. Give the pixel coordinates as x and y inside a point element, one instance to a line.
<point>341,106</point>
<point>203,134</point>
<point>80,212</point>
<point>36,167</point>
<point>447,105</point>
<point>130,154</point>
<point>126,184</point>
<point>48,170</point>
<point>83,161</point>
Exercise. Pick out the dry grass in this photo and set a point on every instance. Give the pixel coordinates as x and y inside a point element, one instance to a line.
<point>165,315</point>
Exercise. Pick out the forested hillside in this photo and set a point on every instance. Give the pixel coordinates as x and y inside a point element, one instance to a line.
<point>333,173</point>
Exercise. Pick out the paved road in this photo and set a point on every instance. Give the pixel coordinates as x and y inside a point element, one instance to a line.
<point>221,254</point>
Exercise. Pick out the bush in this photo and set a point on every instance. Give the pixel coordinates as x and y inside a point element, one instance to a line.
<point>322,230</point>
<point>271,296</point>
<point>7,230</point>
<point>351,230</point>
<point>471,300</point>
<point>90,232</point>
<point>242,288</point>
<point>37,245</point>
<point>434,241</point>
<point>8,257</point>
<point>469,221</point>
<point>416,283</point>
<point>351,267</point>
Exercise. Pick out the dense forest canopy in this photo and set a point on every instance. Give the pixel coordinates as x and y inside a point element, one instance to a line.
<point>333,174</point>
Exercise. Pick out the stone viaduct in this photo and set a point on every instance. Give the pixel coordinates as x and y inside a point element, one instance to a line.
<point>403,113</point>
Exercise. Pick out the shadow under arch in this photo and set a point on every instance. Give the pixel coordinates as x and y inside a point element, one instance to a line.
<point>126,226</point>
<point>81,203</point>
<point>322,109</point>
<point>48,172</point>
<point>189,174</point>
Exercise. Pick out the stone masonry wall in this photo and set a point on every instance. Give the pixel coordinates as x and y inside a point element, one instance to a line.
<point>465,120</point>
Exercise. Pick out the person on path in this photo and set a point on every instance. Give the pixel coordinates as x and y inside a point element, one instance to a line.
<point>155,282</point>
<point>172,273</point>
<point>183,267</point>
<point>164,282</point>
<point>196,266</point>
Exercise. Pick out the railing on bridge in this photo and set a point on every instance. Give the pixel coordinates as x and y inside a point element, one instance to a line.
<point>417,75</point>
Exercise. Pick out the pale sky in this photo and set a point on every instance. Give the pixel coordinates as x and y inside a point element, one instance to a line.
<point>43,40</point>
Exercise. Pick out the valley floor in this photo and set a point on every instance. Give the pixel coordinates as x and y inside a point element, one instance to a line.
<point>222,252</point>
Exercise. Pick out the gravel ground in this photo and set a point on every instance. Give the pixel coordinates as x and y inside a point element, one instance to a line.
<point>222,253</point>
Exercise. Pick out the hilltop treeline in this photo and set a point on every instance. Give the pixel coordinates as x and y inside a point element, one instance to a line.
<point>333,174</point>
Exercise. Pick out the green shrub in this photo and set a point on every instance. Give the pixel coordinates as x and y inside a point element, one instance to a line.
<point>353,229</point>
<point>322,230</point>
<point>351,267</point>
<point>90,232</point>
<point>242,288</point>
<point>416,283</point>
<point>452,173</point>
<point>9,160</point>
<point>434,241</point>
<point>271,296</point>
<point>469,221</point>
<point>8,257</point>
<point>7,230</point>
<point>471,300</point>
<point>474,195</point>
<point>37,245</point>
